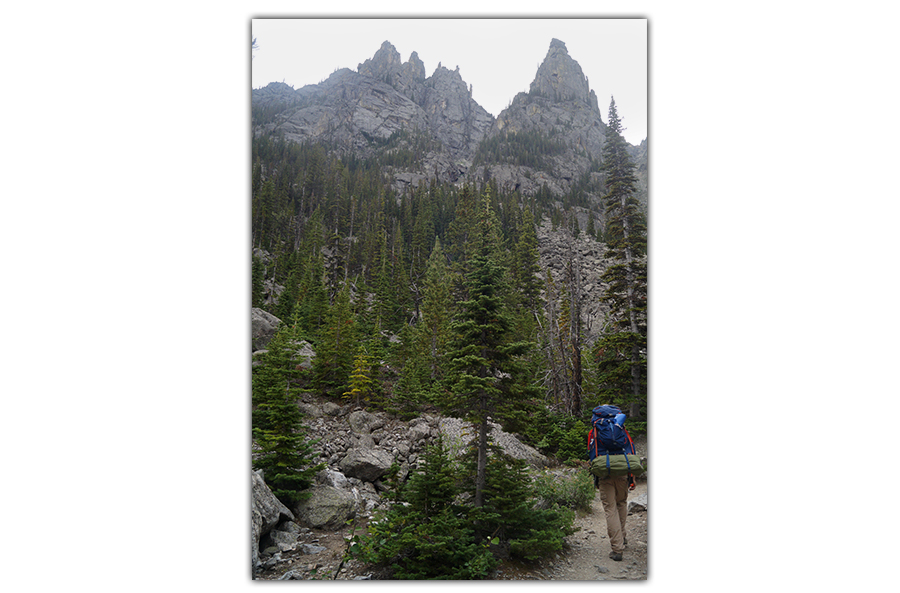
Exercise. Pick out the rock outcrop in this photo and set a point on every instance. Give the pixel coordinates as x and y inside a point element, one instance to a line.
<point>263,326</point>
<point>266,512</point>
<point>558,249</point>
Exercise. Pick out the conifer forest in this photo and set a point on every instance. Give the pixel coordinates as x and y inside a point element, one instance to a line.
<point>422,289</point>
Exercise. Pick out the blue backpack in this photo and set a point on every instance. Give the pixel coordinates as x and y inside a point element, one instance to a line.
<point>606,434</point>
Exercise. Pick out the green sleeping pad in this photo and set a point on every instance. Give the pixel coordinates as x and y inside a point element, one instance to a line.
<point>618,466</point>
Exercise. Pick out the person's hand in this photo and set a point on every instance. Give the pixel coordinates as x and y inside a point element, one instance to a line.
<point>632,486</point>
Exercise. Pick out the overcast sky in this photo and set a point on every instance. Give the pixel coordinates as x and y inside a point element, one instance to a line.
<point>498,57</point>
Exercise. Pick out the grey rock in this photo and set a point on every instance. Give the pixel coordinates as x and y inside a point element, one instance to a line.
<point>284,541</point>
<point>456,433</point>
<point>638,503</point>
<point>331,409</point>
<point>311,410</point>
<point>290,527</point>
<point>311,549</point>
<point>266,511</point>
<point>326,508</point>
<point>263,326</point>
<point>364,441</point>
<point>419,432</point>
<point>366,464</point>
<point>303,354</point>
<point>335,479</point>
<point>360,422</point>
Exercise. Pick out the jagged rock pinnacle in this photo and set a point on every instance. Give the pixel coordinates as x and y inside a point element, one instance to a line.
<point>560,78</point>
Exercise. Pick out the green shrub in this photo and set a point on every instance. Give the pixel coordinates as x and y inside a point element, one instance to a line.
<point>574,491</point>
<point>559,435</point>
<point>573,444</point>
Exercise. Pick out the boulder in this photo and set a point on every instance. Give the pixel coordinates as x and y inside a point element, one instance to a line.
<point>419,432</point>
<point>266,512</point>
<point>280,541</point>
<point>457,433</point>
<point>367,464</point>
<point>263,326</point>
<point>303,354</point>
<point>332,478</point>
<point>331,409</point>
<point>311,410</point>
<point>360,422</point>
<point>326,508</point>
<point>638,503</point>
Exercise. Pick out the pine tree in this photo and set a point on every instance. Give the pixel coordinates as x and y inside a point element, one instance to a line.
<point>527,265</point>
<point>312,299</point>
<point>283,451</point>
<point>360,379</point>
<point>257,283</point>
<point>334,358</point>
<point>433,327</point>
<point>483,355</point>
<point>621,352</point>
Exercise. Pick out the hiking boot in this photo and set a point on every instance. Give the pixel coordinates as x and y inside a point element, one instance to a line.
<point>615,556</point>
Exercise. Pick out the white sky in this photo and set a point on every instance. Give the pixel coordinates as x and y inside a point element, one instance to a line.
<point>498,57</point>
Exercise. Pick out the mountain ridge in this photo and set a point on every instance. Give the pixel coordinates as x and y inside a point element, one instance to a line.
<point>453,137</point>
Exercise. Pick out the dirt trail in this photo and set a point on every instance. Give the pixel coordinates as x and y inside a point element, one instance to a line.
<point>586,554</point>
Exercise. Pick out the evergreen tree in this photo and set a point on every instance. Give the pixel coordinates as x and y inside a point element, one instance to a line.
<point>283,450</point>
<point>334,357</point>
<point>257,276</point>
<point>527,266</point>
<point>426,535</point>
<point>483,387</point>
<point>360,379</point>
<point>433,327</point>
<point>622,350</point>
<point>312,299</point>
<point>509,512</point>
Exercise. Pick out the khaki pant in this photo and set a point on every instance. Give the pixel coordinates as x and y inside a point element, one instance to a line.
<point>614,494</point>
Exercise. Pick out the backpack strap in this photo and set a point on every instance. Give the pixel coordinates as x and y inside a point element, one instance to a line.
<point>630,442</point>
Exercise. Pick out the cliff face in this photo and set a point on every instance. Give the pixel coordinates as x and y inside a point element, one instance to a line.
<point>365,112</point>
<point>388,106</point>
<point>561,108</point>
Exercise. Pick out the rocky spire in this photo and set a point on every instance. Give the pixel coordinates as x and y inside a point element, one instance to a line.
<point>383,64</point>
<point>415,67</point>
<point>560,78</point>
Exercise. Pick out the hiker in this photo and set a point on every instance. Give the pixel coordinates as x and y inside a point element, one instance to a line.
<point>608,437</point>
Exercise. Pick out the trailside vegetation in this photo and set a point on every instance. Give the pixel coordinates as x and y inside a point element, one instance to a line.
<point>434,531</point>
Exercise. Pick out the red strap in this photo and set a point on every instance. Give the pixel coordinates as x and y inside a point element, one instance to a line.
<point>591,436</point>
<point>630,442</point>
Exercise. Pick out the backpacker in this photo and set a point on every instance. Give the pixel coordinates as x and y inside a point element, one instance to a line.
<point>610,448</point>
<point>606,434</point>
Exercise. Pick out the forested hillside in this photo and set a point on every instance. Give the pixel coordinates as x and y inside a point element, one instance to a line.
<point>410,262</point>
